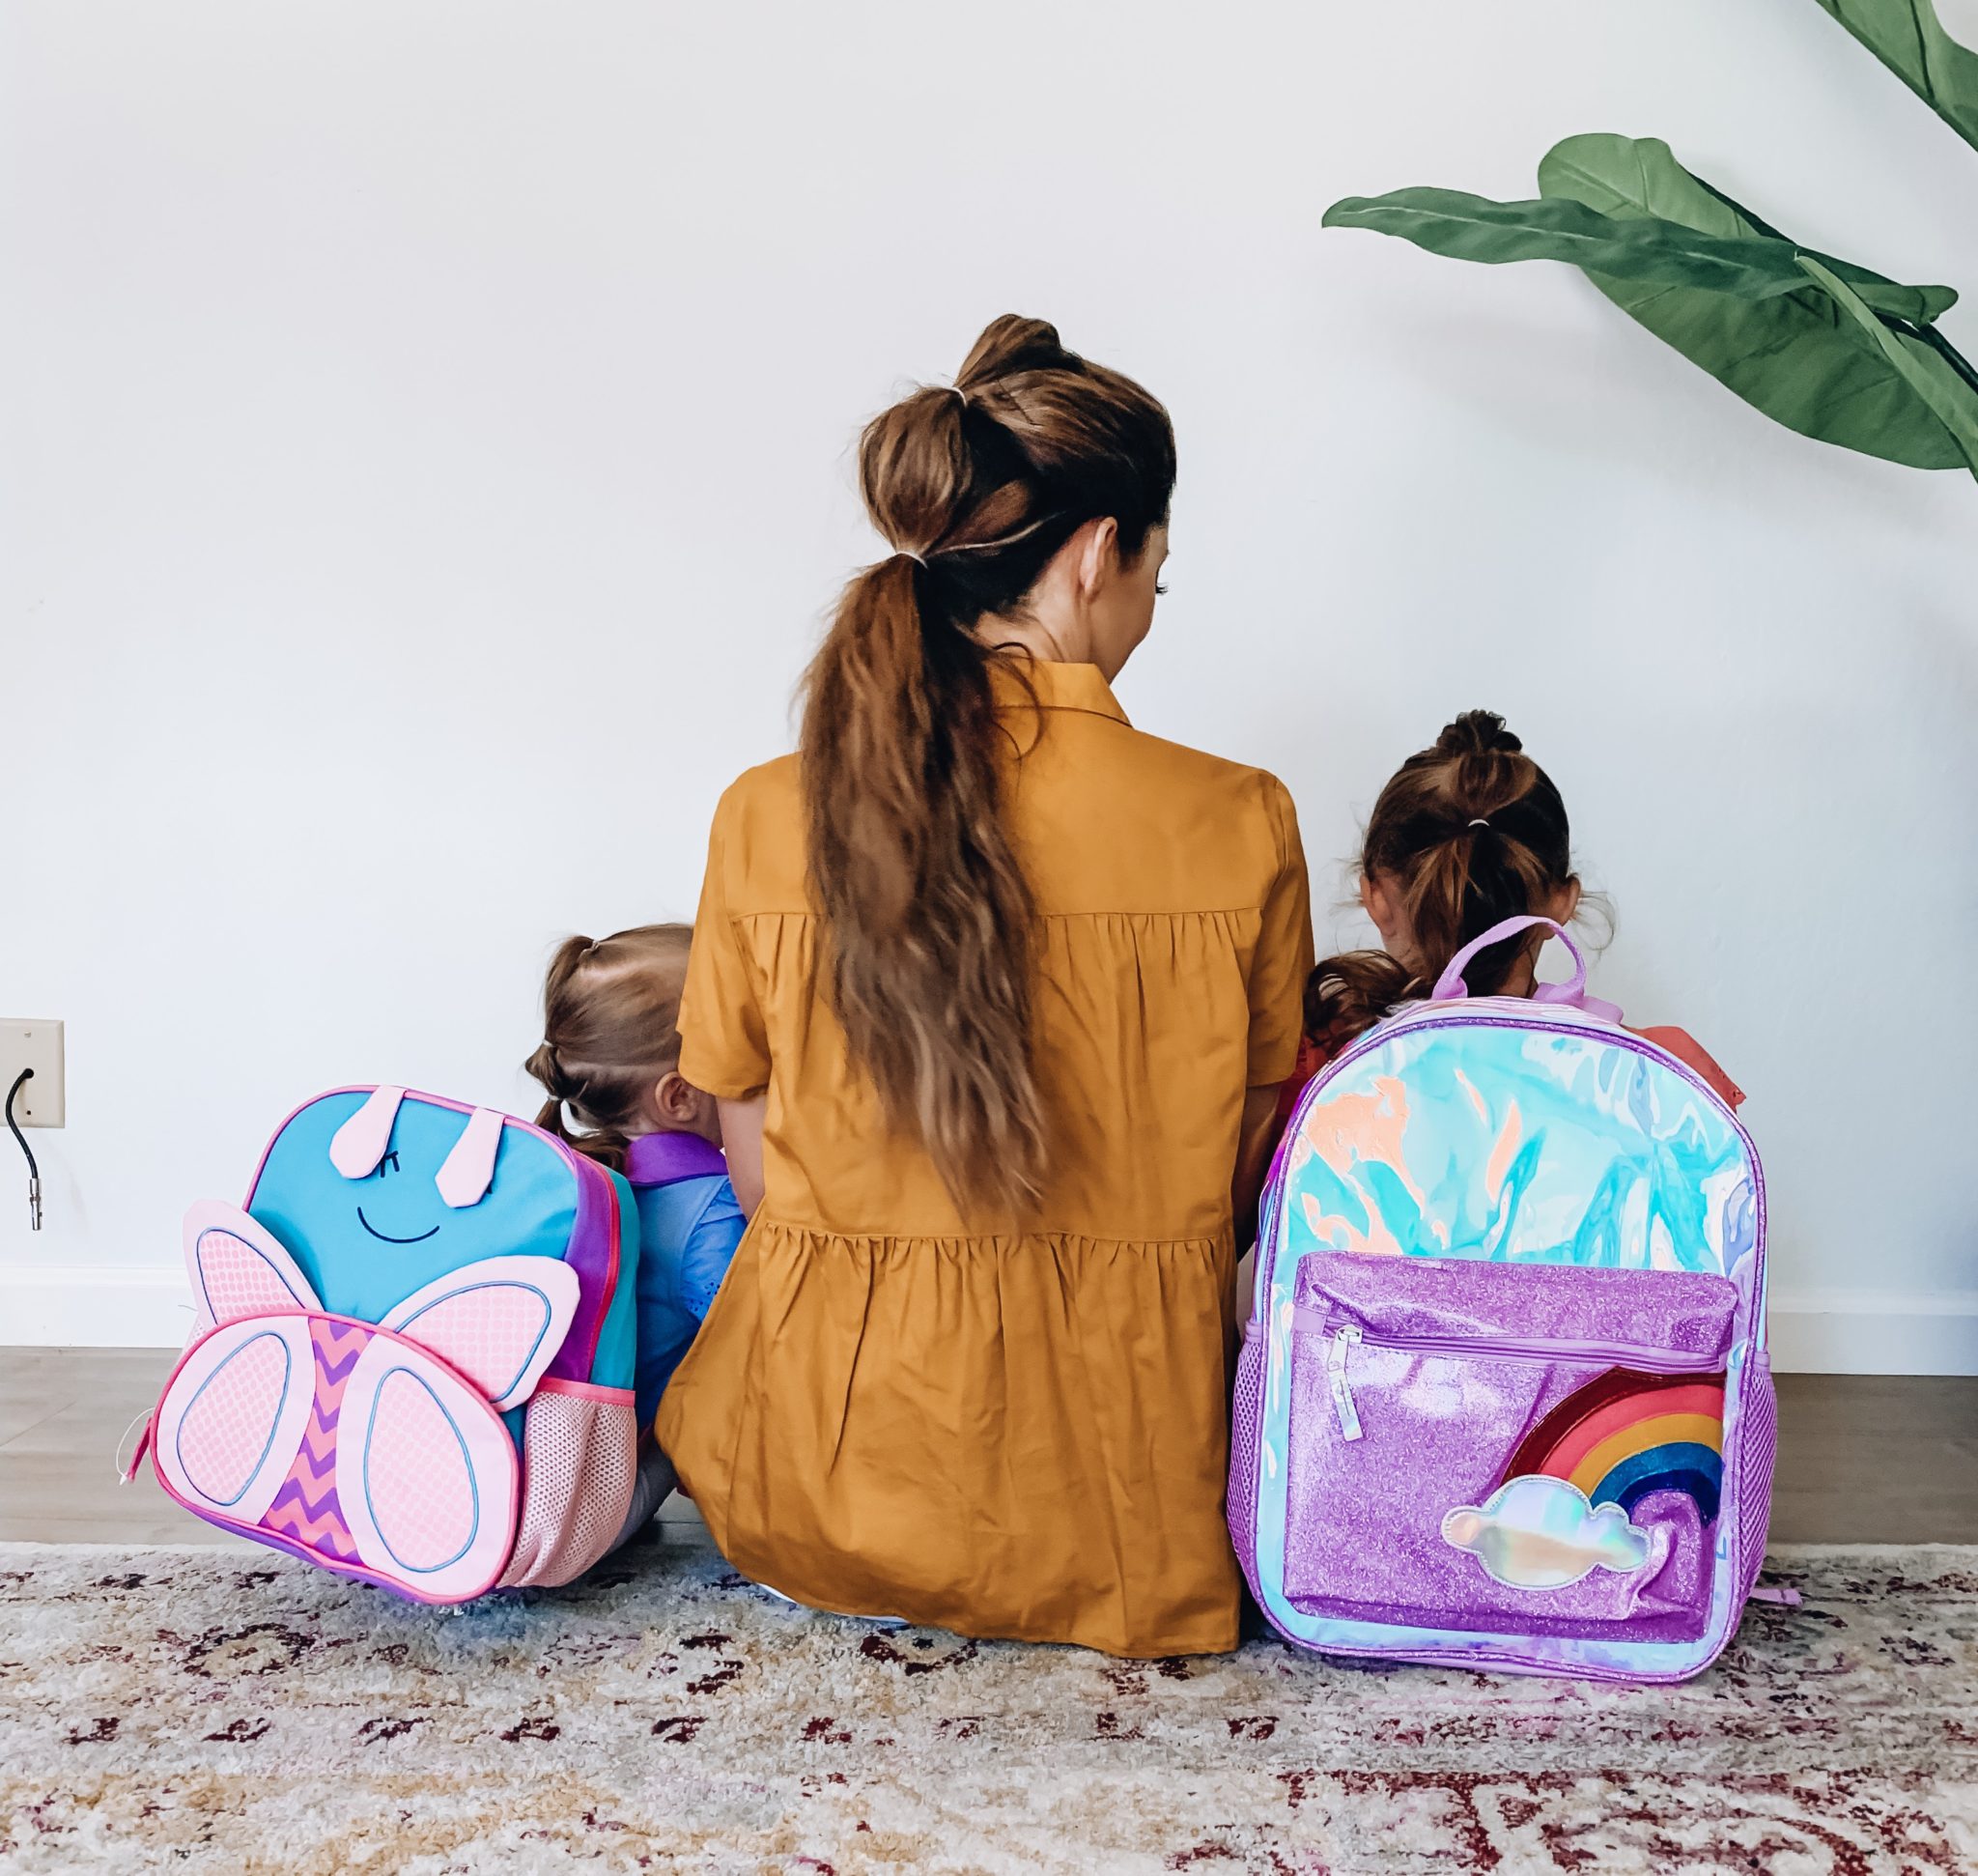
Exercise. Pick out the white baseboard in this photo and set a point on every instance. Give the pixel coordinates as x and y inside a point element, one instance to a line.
<point>1872,1332</point>
<point>95,1306</point>
<point>1814,1331</point>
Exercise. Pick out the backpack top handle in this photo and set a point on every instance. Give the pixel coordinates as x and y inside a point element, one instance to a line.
<point>1450,984</point>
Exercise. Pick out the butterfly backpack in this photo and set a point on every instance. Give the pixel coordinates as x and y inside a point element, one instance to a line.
<point>1504,1402</point>
<point>412,1357</point>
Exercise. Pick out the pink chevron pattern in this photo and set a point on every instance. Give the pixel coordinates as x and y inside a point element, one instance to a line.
<point>306,1508</point>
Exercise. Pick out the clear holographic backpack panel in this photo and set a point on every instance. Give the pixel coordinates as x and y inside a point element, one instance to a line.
<point>1503,1401</point>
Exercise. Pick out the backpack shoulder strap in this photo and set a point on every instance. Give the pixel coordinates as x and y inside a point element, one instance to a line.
<point>667,1158</point>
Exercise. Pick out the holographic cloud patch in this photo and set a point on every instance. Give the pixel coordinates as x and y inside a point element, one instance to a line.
<point>1540,1533</point>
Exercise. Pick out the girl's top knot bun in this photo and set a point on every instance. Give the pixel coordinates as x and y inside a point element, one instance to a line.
<point>1477,732</point>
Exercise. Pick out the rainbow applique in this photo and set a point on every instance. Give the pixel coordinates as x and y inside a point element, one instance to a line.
<point>1625,1435</point>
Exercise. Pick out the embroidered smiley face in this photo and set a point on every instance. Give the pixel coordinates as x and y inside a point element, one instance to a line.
<point>388,1166</point>
<point>361,1149</point>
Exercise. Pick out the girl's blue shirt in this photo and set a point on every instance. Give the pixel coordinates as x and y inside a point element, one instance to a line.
<point>688,1225</point>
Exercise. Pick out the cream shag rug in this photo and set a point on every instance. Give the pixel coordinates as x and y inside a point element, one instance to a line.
<point>208,1710</point>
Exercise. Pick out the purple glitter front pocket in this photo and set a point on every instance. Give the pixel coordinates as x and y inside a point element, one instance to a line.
<point>1527,1449</point>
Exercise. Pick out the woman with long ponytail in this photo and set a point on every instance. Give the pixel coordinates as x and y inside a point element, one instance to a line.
<point>995,993</point>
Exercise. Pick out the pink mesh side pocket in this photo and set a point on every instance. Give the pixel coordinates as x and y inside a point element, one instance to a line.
<point>579,1461</point>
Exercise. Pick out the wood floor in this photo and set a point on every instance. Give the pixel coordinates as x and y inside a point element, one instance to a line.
<point>1862,1459</point>
<point>62,1412</point>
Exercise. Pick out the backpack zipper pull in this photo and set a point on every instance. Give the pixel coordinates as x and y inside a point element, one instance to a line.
<point>1343,1339</point>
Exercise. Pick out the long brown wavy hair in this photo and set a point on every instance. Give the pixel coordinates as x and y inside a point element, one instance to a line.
<point>927,918</point>
<point>611,1031</point>
<point>1454,877</point>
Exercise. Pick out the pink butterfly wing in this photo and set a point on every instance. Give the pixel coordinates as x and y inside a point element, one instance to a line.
<point>237,1266</point>
<point>498,1321</point>
<point>232,1416</point>
<point>427,1476</point>
<point>416,1473</point>
<point>225,1431</point>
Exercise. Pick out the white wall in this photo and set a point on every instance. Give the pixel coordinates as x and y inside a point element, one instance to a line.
<point>425,447</point>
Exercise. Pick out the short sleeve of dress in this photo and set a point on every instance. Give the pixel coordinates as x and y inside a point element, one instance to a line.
<point>724,1043</point>
<point>1282,961</point>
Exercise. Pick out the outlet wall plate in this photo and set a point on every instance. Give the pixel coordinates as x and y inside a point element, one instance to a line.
<point>28,1042</point>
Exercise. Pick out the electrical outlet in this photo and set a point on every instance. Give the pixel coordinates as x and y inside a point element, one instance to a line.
<point>25,1043</point>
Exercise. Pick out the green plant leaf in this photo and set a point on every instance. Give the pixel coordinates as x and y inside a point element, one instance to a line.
<point>1642,247</point>
<point>1952,400</point>
<point>1627,177</point>
<point>1907,36</point>
<point>1635,176</point>
<point>1800,357</point>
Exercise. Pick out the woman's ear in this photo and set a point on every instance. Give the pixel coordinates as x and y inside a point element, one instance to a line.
<point>1100,559</point>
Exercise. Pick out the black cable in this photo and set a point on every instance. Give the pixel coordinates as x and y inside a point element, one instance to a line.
<point>33,1172</point>
<point>26,1075</point>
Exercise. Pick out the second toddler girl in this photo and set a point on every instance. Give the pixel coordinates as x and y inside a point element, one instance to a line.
<point>1467,833</point>
<point>610,1061</point>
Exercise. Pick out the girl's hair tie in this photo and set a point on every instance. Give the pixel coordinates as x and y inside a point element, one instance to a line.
<point>1479,821</point>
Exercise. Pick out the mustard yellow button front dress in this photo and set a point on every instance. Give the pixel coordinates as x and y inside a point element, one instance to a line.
<point>1002,1427</point>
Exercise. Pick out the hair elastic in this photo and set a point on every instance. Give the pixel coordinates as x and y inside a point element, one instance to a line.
<point>1479,821</point>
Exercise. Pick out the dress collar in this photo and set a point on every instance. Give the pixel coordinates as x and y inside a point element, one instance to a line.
<point>1059,687</point>
<point>664,1158</point>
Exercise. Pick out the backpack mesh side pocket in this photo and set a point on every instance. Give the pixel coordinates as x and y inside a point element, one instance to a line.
<point>1245,1435</point>
<point>579,1461</point>
<point>1758,1443</point>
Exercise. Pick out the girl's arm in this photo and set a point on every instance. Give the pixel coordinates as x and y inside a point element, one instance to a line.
<point>741,1142</point>
<point>1255,1143</point>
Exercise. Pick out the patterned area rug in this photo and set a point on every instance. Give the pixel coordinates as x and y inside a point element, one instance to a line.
<point>206,1710</point>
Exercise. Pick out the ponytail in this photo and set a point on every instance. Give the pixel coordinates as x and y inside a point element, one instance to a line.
<point>598,1141</point>
<point>927,918</point>
<point>929,915</point>
<point>1349,992</point>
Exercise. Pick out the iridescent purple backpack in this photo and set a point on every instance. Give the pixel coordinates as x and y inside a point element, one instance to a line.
<point>1503,1401</point>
